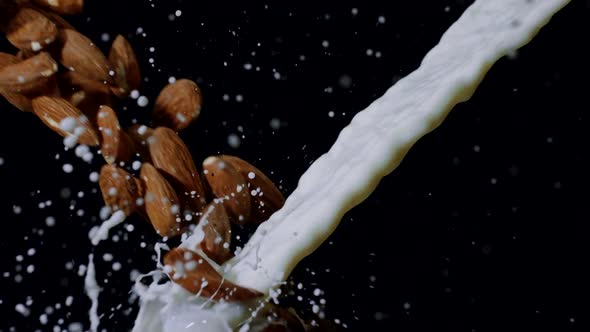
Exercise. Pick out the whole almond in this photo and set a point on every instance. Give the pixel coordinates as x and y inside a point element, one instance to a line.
<point>78,53</point>
<point>29,75</point>
<point>217,233</point>
<point>178,105</point>
<point>230,188</point>
<point>120,190</point>
<point>115,146</point>
<point>266,197</point>
<point>196,275</point>
<point>28,29</point>
<point>62,6</point>
<point>55,111</point>
<point>161,202</point>
<point>173,159</point>
<point>124,61</point>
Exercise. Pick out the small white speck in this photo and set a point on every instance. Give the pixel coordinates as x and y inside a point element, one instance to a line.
<point>247,66</point>
<point>178,13</point>
<point>381,19</point>
<point>171,79</point>
<point>239,98</point>
<point>67,168</point>
<point>134,94</point>
<point>105,37</point>
<point>142,101</point>
<point>251,175</point>
<point>50,221</point>
<point>233,140</point>
<point>136,165</point>
<point>331,114</point>
<point>93,177</point>
<point>325,43</point>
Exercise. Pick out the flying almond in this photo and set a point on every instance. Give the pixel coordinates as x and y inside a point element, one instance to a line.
<point>196,275</point>
<point>217,233</point>
<point>171,156</point>
<point>28,29</point>
<point>28,76</point>
<point>78,53</point>
<point>230,187</point>
<point>115,146</point>
<point>62,6</point>
<point>140,136</point>
<point>124,61</point>
<point>86,94</point>
<point>65,119</point>
<point>120,190</point>
<point>178,105</point>
<point>266,197</point>
<point>161,202</point>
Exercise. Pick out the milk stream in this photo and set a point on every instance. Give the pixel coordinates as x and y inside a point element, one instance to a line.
<point>371,147</point>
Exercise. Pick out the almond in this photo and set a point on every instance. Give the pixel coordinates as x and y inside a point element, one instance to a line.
<point>62,6</point>
<point>28,29</point>
<point>178,105</point>
<point>266,197</point>
<point>217,233</point>
<point>78,53</point>
<point>18,100</point>
<point>7,59</point>
<point>120,190</point>
<point>126,67</point>
<point>55,112</point>
<point>115,146</point>
<point>230,187</point>
<point>161,202</point>
<point>196,275</point>
<point>29,75</point>
<point>173,159</point>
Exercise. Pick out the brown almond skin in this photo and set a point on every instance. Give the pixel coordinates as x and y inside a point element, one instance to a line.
<point>178,105</point>
<point>78,53</point>
<point>115,145</point>
<point>52,110</point>
<point>217,229</point>
<point>230,187</point>
<point>127,189</point>
<point>263,206</point>
<point>172,158</point>
<point>216,288</point>
<point>159,199</point>
<point>27,28</point>
<point>63,7</point>
<point>124,61</point>
<point>28,76</point>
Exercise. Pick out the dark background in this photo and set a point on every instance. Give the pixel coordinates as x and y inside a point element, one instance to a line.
<point>482,228</point>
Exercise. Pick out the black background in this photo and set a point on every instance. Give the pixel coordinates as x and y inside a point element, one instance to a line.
<point>482,228</point>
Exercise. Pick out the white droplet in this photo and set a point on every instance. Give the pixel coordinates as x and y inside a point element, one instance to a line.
<point>68,168</point>
<point>251,175</point>
<point>93,177</point>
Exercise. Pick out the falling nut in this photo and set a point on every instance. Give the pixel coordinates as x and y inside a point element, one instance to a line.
<point>196,275</point>
<point>230,188</point>
<point>161,202</point>
<point>115,146</point>
<point>124,61</point>
<point>28,29</point>
<point>28,76</point>
<point>178,105</point>
<point>120,190</point>
<point>65,119</point>
<point>62,6</point>
<point>266,197</point>
<point>216,233</point>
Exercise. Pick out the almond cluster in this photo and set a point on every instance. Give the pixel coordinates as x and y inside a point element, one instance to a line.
<point>65,80</point>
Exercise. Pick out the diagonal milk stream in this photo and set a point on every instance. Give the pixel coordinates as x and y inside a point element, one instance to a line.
<point>369,148</point>
<point>378,138</point>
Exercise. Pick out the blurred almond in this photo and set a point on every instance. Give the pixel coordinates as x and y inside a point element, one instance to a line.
<point>178,105</point>
<point>115,146</point>
<point>230,187</point>
<point>161,202</point>
<point>120,190</point>
<point>171,156</point>
<point>217,233</point>
<point>196,275</point>
<point>18,100</point>
<point>124,61</point>
<point>78,53</point>
<point>28,29</point>
<point>7,59</point>
<point>266,197</point>
<point>65,119</point>
<point>29,75</point>
<point>62,6</point>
